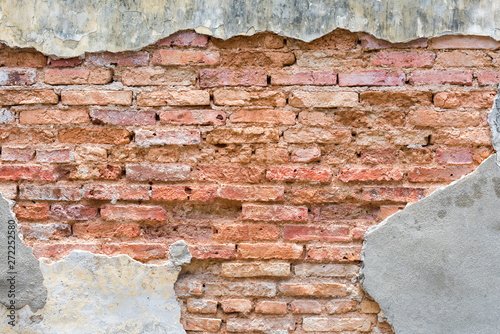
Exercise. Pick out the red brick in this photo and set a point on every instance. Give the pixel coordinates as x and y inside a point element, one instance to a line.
<point>128,192</point>
<point>50,231</point>
<point>54,155</point>
<point>473,99</point>
<point>205,306</point>
<point>202,324</point>
<point>317,135</point>
<point>305,307</point>
<point>396,99</point>
<point>64,62</point>
<point>10,77</point>
<point>437,174</point>
<point>449,118</point>
<point>146,138</point>
<point>21,154</point>
<point>133,213</point>
<point>393,194</point>
<point>28,211</point>
<point>106,230</point>
<point>31,173</point>
<point>488,77</point>
<point>301,195</point>
<point>37,96</point>
<point>463,42</point>
<point>236,305</point>
<point>370,174</point>
<point>457,156</point>
<point>50,192</point>
<point>173,98</point>
<point>269,251</point>
<point>266,116</point>
<point>127,58</point>
<point>116,117</point>
<point>306,155</point>
<point>270,307</point>
<point>61,250</point>
<point>73,212</point>
<point>277,213</point>
<point>214,251</point>
<point>54,116</point>
<point>188,288</point>
<point>454,77</point>
<point>193,117</point>
<point>333,253</point>
<point>184,193</point>
<point>101,98</point>
<point>22,59</point>
<point>158,77</point>
<point>333,233</point>
<point>314,78</point>
<point>370,42</point>
<point>300,174</point>
<point>341,306</point>
<point>313,289</point>
<point>372,78</point>
<point>388,210</point>
<point>146,172</point>
<point>302,99</point>
<point>140,252</point>
<point>252,193</point>
<point>230,173</point>
<point>217,78</point>
<point>247,232</point>
<point>404,59</point>
<point>175,57</point>
<point>94,136</point>
<point>77,76</point>
<point>241,98</point>
<point>185,38</point>
<point>378,157</point>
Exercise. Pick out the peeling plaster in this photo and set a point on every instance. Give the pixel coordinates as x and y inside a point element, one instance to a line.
<point>71,28</point>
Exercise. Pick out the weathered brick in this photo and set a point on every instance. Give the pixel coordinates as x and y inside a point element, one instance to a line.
<point>311,78</point>
<point>301,195</point>
<point>378,157</point>
<point>202,324</point>
<point>133,213</point>
<point>352,174</point>
<point>31,173</point>
<point>404,59</point>
<point>240,289</point>
<point>175,57</point>
<point>37,96</point>
<point>146,138</point>
<point>174,98</point>
<point>188,288</point>
<point>252,193</point>
<point>184,193</point>
<point>336,325</point>
<point>316,118</point>
<point>97,97</point>
<point>300,174</point>
<point>73,212</point>
<point>260,212</point>
<point>306,155</point>
<point>204,306</point>
<point>257,59</point>
<point>488,77</point>
<point>264,325</point>
<point>332,233</point>
<point>114,192</point>
<point>271,154</point>
<point>305,307</point>
<point>8,191</point>
<point>7,116</point>
<point>448,118</point>
<point>230,173</point>
<point>247,232</point>
<point>95,136</point>
<point>185,38</point>
<point>241,98</point>
<point>454,156</point>
<point>454,77</point>
<point>57,155</point>
<point>372,78</point>
<point>50,192</point>
<point>341,306</point>
<point>256,269</point>
<point>213,251</point>
<point>158,77</point>
<point>313,289</point>
<point>323,99</point>
<point>368,306</point>
<point>138,251</point>
<point>77,76</point>
<point>106,230</point>
<point>399,99</point>
<point>91,172</point>
<point>31,211</point>
<point>193,117</point>
<point>370,42</point>
<point>394,194</point>
<point>22,59</point>
<point>236,305</point>
<point>127,58</point>
<point>317,135</point>
<point>269,251</point>
<point>217,78</point>
<point>463,59</point>
<point>147,172</point>
<point>388,210</point>
<point>463,42</point>
<point>266,40</point>
<point>271,307</point>
<point>50,231</point>
<point>115,117</point>
<point>21,154</point>
<point>267,116</point>
<point>473,99</point>
<point>54,116</point>
<point>332,253</point>
<point>64,62</point>
<point>11,77</point>
<point>437,174</point>
<point>61,250</point>
<point>242,135</point>
<point>462,137</point>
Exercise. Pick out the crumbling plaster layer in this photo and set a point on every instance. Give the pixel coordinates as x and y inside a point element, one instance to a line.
<point>71,28</point>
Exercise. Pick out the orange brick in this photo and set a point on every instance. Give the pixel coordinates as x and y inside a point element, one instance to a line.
<point>175,57</point>
<point>97,97</point>
<point>54,116</point>
<point>79,76</point>
<point>266,251</point>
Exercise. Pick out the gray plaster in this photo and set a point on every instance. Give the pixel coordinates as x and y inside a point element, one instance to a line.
<point>434,266</point>
<point>71,28</point>
<point>494,122</point>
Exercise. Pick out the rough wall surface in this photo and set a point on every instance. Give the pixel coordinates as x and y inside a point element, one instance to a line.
<point>270,156</point>
<point>71,28</point>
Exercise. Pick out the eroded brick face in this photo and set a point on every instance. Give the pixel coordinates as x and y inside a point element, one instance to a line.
<point>271,157</point>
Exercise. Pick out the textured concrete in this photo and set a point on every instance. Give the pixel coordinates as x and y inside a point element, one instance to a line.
<point>70,28</point>
<point>434,266</point>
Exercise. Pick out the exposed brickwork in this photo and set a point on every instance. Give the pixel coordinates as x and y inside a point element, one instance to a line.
<point>271,157</point>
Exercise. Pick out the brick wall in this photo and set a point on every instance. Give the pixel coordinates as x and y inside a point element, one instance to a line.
<point>269,156</point>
